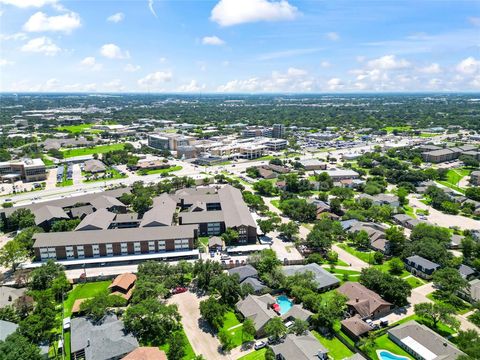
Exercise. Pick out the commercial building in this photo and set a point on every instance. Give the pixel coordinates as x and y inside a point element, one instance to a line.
<point>422,342</point>
<point>278,131</point>
<point>26,169</point>
<point>169,141</point>
<point>256,131</point>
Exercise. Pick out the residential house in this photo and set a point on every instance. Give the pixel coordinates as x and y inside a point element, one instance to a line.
<point>376,234</point>
<point>355,327</point>
<point>472,293</point>
<point>146,353</point>
<point>406,221</point>
<point>247,274</point>
<point>215,243</point>
<point>81,211</point>
<point>420,266</point>
<point>7,328</point>
<point>123,285</point>
<point>325,281</point>
<point>98,220</point>
<point>107,340</point>
<point>300,347</point>
<point>475,178</point>
<point>466,272</point>
<point>423,343</point>
<point>382,199</point>
<point>363,301</point>
<point>108,202</point>
<point>322,207</point>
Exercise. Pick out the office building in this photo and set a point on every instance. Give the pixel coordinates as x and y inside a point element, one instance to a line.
<point>26,169</point>
<point>278,131</point>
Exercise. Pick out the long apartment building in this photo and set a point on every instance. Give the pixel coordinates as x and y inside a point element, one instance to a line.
<point>439,155</point>
<point>26,169</point>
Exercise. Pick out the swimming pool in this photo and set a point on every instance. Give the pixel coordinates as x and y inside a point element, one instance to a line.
<point>387,355</point>
<point>285,304</point>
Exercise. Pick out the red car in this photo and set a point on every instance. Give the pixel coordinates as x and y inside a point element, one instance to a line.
<point>179,290</point>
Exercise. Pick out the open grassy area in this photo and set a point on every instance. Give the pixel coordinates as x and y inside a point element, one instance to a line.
<point>234,328</point>
<point>255,355</point>
<point>189,353</point>
<point>384,343</point>
<point>390,129</point>
<point>160,171</point>
<point>336,349</point>
<point>366,256</point>
<point>428,135</point>
<point>47,161</point>
<point>68,153</point>
<point>84,291</point>
<point>414,282</point>
<point>77,129</point>
<point>110,174</point>
<point>276,203</point>
<point>453,178</point>
<point>385,267</point>
<point>409,211</point>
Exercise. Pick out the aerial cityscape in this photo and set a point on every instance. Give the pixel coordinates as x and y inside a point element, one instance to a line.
<point>239,179</point>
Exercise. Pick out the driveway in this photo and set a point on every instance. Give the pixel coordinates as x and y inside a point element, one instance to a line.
<point>202,341</point>
<point>354,262</point>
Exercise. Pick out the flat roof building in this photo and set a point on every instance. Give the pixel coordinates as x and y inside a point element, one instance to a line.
<point>26,169</point>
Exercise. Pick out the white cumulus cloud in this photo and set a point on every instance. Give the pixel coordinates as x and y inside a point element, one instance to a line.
<point>388,62</point>
<point>153,80</point>
<point>192,86</point>
<point>91,63</point>
<point>40,22</point>
<point>468,66</point>
<point>212,40</point>
<point>113,51</point>
<point>28,3</point>
<point>333,36</point>
<point>116,18</point>
<point>433,68</point>
<point>5,62</point>
<point>42,45</point>
<point>335,84</point>
<point>234,12</point>
<point>131,68</point>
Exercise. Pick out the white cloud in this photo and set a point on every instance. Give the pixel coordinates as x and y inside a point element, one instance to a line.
<point>325,64</point>
<point>5,62</point>
<point>468,66</point>
<point>296,72</point>
<point>131,68</point>
<point>40,22</point>
<point>153,80</point>
<point>27,3</point>
<point>335,84</point>
<point>388,62</point>
<point>212,40</point>
<point>113,85</point>
<point>113,51</point>
<point>333,36</point>
<point>150,6</point>
<point>433,68</point>
<point>288,53</point>
<point>42,45</point>
<point>234,12</point>
<point>192,86</point>
<point>14,37</point>
<point>91,63</point>
<point>163,60</point>
<point>116,18</point>
<point>474,20</point>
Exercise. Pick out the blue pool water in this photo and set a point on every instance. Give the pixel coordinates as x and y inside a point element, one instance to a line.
<point>285,304</point>
<point>387,355</point>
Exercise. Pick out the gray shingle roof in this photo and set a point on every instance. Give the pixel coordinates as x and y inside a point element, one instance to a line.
<point>235,210</point>
<point>321,276</point>
<point>426,264</point>
<point>244,272</point>
<point>48,213</point>
<point>99,220</point>
<point>257,308</point>
<point>94,165</point>
<point>302,347</point>
<point>161,214</point>
<point>114,235</point>
<point>101,342</point>
<point>105,202</point>
<point>7,328</point>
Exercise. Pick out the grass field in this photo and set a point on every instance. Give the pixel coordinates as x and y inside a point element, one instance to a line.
<point>453,178</point>
<point>77,129</point>
<point>255,355</point>
<point>68,153</point>
<point>160,171</point>
<point>390,129</point>
<point>83,291</point>
<point>461,307</point>
<point>366,256</point>
<point>336,349</point>
<point>234,328</point>
<point>414,282</point>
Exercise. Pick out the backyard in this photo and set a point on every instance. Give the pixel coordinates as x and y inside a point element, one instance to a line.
<point>84,291</point>
<point>383,343</point>
<point>189,353</point>
<point>68,153</point>
<point>336,349</point>
<point>234,329</point>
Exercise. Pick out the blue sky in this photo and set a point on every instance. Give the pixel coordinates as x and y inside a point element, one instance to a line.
<point>239,45</point>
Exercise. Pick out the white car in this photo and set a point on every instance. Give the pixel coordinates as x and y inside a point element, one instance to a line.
<point>259,345</point>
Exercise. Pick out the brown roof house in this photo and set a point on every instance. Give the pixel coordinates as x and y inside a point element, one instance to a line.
<point>355,327</point>
<point>364,302</point>
<point>123,285</point>
<point>146,353</point>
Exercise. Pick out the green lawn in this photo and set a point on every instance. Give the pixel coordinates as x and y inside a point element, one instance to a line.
<point>428,135</point>
<point>68,153</point>
<point>47,161</point>
<point>336,349</point>
<point>255,355</point>
<point>276,203</point>
<point>390,129</point>
<point>160,171</point>
<point>414,282</point>
<point>77,129</point>
<point>230,320</point>
<point>83,291</point>
<point>366,256</point>
<point>385,267</point>
<point>236,334</point>
<point>453,178</point>
<point>461,307</point>
<point>204,241</point>
<point>442,329</point>
<point>115,174</point>
<point>384,343</point>
<point>409,211</point>
<point>189,353</point>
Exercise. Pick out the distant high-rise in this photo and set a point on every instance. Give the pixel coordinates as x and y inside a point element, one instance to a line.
<point>278,131</point>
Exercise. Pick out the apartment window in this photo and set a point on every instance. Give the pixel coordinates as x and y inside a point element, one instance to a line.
<point>80,251</point>
<point>242,235</point>
<point>151,246</point>
<point>161,245</point>
<point>136,247</point>
<point>109,249</point>
<point>96,250</point>
<point>48,253</point>
<point>124,248</point>
<point>213,228</point>
<point>69,252</point>
<point>182,244</point>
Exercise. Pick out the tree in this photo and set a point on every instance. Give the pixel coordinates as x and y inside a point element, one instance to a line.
<point>212,311</point>
<point>12,254</point>
<point>396,240</point>
<point>436,312</point>
<point>38,325</point>
<point>18,347</point>
<point>152,321</point>
<point>473,193</point>
<point>391,288</point>
<point>20,219</point>
<point>265,188</point>
<point>9,313</point>
<point>396,266</point>
<point>449,281</point>
<point>230,236</point>
<point>328,309</point>
<point>176,350</point>
<point>205,271</point>
<point>226,340</point>
<point>469,342</point>
<point>264,261</point>
<point>275,328</point>
<point>289,230</point>
<point>64,225</point>
<point>142,203</point>
<point>228,287</point>
<point>299,327</point>
<point>42,277</point>
<point>336,206</point>
<point>266,225</point>
<point>97,307</point>
<point>361,239</point>
<point>299,210</point>
<point>319,240</point>
<point>248,329</point>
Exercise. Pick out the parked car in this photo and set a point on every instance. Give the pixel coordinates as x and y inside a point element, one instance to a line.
<point>259,345</point>
<point>225,257</point>
<point>179,290</point>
